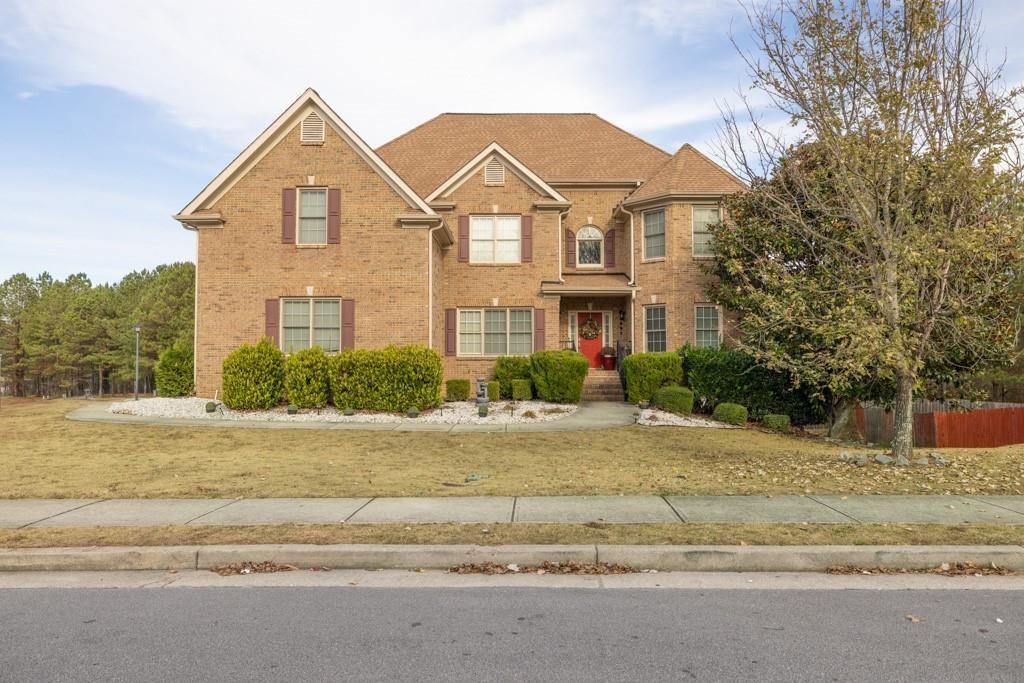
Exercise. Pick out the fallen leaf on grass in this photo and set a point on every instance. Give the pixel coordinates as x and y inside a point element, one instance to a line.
<point>913,620</point>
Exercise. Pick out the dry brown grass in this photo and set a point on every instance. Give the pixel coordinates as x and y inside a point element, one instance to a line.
<point>518,533</point>
<point>44,455</point>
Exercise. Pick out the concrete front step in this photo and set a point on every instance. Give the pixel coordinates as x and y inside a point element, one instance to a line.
<point>602,385</point>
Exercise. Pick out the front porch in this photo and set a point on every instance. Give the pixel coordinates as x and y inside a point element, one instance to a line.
<point>597,322</point>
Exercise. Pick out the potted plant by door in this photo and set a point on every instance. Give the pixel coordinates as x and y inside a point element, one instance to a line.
<point>608,358</point>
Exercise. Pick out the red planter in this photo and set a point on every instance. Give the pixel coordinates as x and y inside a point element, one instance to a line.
<point>608,362</point>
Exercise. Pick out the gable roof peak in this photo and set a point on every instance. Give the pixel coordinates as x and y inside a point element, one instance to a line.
<point>274,133</point>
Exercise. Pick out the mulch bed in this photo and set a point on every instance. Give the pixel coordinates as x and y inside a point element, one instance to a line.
<point>543,568</point>
<point>945,569</point>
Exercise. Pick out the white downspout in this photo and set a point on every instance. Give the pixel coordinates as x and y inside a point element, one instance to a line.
<point>195,321</point>
<point>561,240</point>
<point>632,252</point>
<point>430,284</point>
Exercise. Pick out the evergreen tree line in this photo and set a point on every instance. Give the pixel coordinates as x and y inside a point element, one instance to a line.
<point>70,337</point>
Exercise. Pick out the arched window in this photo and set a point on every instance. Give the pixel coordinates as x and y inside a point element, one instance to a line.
<point>589,247</point>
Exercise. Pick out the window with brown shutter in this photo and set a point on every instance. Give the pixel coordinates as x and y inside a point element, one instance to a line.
<point>570,249</point>
<point>334,215</point>
<point>464,238</point>
<point>526,237</point>
<point>609,249</point>
<point>288,215</point>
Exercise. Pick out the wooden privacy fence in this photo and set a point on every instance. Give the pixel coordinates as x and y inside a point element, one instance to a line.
<point>949,424</point>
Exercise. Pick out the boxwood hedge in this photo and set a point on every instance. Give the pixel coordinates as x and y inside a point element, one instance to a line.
<point>253,376</point>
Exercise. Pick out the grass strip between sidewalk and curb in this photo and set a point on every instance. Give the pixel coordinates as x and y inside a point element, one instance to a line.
<point>521,533</point>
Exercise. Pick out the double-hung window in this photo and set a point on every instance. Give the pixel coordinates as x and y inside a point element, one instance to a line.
<point>495,331</point>
<point>703,216</point>
<point>311,322</point>
<point>655,336</point>
<point>312,215</point>
<point>709,329</point>
<point>494,239</point>
<point>654,234</point>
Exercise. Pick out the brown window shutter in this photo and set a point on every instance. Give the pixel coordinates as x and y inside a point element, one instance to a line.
<point>570,248</point>
<point>288,215</point>
<point>464,238</point>
<point>348,324</point>
<point>450,322</point>
<point>272,308</point>
<point>609,249</point>
<point>526,253</point>
<point>334,215</point>
<point>538,329</point>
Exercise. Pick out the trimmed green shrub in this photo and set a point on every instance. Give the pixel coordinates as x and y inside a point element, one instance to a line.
<point>776,423</point>
<point>307,378</point>
<point>494,390</point>
<point>173,371</point>
<point>678,400</point>
<point>730,413</point>
<point>729,375</point>
<point>558,375</point>
<point>508,368</point>
<point>394,378</point>
<point>522,389</point>
<point>457,390</point>
<point>645,373</point>
<point>253,376</point>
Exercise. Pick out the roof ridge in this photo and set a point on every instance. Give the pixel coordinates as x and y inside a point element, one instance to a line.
<point>632,135</point>
<point>414,128</point>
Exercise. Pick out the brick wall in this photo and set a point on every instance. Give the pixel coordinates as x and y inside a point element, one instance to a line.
<point>378,263</point>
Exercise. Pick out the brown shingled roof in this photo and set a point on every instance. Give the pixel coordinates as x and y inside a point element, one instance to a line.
<point>554,146</point>
<point>687,172</point>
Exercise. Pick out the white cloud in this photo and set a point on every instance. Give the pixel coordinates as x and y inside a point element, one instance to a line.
<point>229,67</point>
<point>24,95</point>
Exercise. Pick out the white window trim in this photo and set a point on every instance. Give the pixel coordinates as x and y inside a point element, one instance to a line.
<point>693,228</point>
<point>494,240</point>
<point>298,212</point>
<point>643,234</point>
<point>583,266</point>
<point>718,310</point>
<point>312,316</point>
<point>483,331</point>
<point>649,306</point>
<point>606,327</point>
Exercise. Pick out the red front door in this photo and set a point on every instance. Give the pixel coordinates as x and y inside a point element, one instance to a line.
<point>586,325</point>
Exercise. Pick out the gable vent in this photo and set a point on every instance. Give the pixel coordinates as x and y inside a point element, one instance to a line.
<point>494,172</point>
<point>312,128</point>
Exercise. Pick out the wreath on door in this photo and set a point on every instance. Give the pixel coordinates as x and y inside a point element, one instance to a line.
<point>590,328</point>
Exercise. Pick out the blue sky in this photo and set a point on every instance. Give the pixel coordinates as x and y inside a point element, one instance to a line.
<point>114,114</point>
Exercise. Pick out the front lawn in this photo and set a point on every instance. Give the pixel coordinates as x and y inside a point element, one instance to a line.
<point>43,455</point>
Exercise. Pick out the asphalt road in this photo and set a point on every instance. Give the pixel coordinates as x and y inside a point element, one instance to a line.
<point>509,633</point>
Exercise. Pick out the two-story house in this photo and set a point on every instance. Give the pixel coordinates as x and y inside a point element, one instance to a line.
<point>478,235</point>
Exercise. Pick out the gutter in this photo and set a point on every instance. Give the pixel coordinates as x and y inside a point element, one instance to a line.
<point>561,241</point>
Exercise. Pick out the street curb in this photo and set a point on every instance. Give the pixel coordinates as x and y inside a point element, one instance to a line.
<point>662,558</point>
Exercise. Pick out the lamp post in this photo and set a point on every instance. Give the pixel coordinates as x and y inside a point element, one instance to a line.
<point>138,330</point>
<point>1,376</point>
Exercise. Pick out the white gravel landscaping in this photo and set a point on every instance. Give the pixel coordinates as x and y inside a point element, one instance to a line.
<point>462,412</point>
<point>652,417</point>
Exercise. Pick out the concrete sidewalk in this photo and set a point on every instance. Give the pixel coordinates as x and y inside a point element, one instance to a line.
<point>35,513</point>
<point>590,415</point>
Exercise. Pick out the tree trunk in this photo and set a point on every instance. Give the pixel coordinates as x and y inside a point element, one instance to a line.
<point>903,420</point>
<point>841,423</point>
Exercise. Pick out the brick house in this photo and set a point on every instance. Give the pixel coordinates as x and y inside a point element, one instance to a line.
<point>477,235</point>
